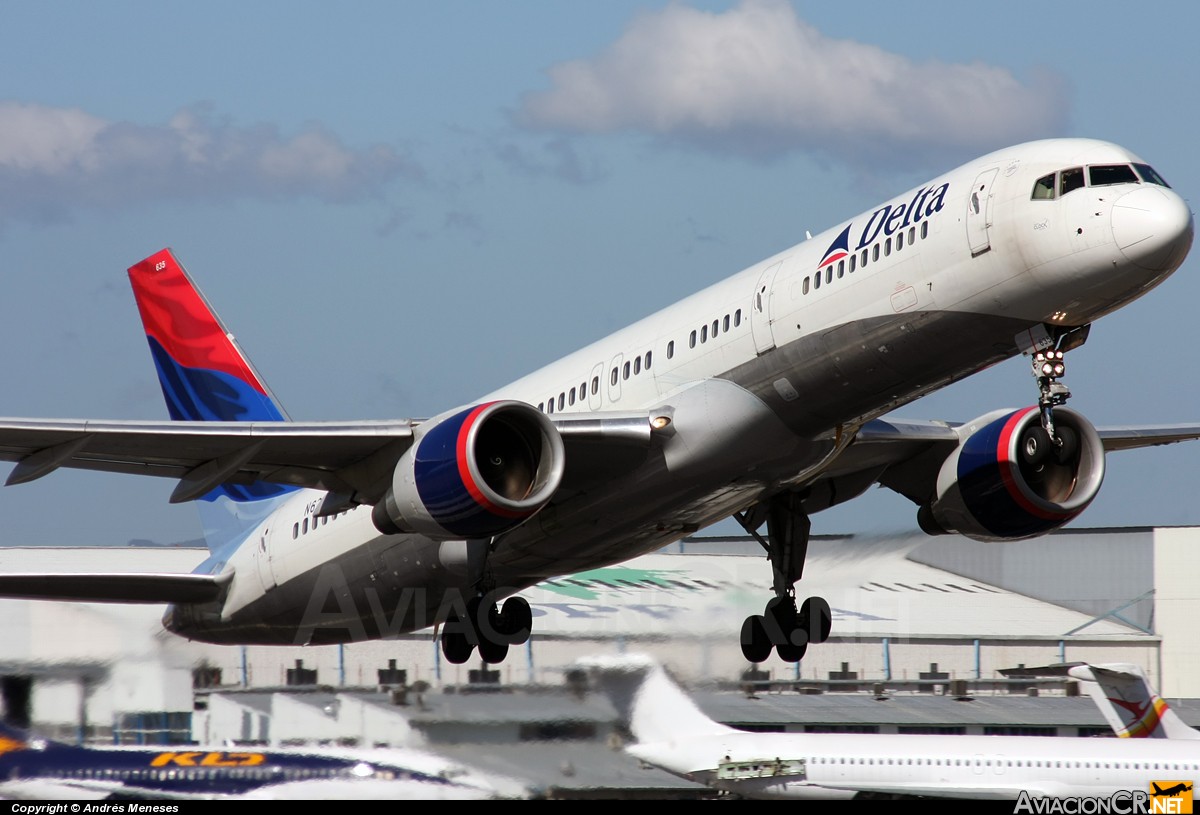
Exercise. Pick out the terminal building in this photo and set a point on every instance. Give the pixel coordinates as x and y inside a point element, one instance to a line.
<point>926,624</point>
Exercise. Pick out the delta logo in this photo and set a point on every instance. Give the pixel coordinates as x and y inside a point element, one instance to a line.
<point>886,221</point>
<point>1171,797</point>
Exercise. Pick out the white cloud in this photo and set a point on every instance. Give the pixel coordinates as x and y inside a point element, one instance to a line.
<point>758,80</point>
<point>54,159</point>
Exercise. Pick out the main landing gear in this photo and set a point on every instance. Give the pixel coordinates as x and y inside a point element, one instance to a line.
<point>479,623</point>
<point>487,627</point>
<point>784,627</point>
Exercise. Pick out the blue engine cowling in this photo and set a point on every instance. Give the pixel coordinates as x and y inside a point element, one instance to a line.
<point>990,489</point>
<point>473,473</point>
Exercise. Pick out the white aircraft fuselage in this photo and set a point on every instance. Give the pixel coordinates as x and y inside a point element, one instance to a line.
<point>757,384</point>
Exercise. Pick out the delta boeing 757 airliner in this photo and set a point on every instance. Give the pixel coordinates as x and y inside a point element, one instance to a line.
<point>759,397</point>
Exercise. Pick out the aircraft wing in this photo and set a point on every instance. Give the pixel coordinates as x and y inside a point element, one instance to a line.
<point>128,587</point>
<point>346,458</point>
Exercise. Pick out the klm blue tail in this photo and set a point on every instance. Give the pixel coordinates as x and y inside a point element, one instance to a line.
<point>205,377</point>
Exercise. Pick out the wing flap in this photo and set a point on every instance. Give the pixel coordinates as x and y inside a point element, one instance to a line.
<point>108,587</point>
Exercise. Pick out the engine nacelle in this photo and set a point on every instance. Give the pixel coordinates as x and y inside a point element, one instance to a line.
<point>474,473</point>
<point>1006,482</point>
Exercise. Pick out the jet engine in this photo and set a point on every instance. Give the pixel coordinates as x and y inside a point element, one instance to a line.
<point>473,473</point>
<point>1007,480</point>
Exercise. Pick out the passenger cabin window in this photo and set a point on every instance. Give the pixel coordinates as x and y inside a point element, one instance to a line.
<point>1149,176</point>
<point>817,280</point>
<point>829,273</point>
<point>648,359</point>
<point>562,401</point>
<point>1101,175</point>
<point>887,247</point>
<point>841,268</point>
<point>625,371</point>
<point>595,385</point>
<point>703,333</point>
<point>737,318</point>
<point>1043,188</point>
<point>853,259</point>
<point>671,349</point>
<point>716,325</point>
<point>804,286</point>
<point>571,396</point>
<point>875,252</point>
<point>613,380</point>
<point>925,230</point>
<point>862,261</point>
<point>692,340</point>
<point>637,365</point>
<point>725,323</point>
<point>1071,179</point>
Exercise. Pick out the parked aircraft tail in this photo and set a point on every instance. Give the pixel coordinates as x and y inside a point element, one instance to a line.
<point>651,703</point>
<point>1130,704</point>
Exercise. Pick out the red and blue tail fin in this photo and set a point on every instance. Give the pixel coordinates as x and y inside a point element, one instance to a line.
<point>205,377</point>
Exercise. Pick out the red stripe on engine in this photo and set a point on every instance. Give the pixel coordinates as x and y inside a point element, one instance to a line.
<point>464,471</point>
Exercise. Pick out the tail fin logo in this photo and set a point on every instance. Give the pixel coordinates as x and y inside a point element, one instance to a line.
<point>1144,719</point>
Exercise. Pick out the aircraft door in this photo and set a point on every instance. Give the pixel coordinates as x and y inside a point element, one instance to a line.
<point>262,559</point>
<point>595,383</point>
<point>614,378</point>
<point>979,211</point>
<point>760,309</point>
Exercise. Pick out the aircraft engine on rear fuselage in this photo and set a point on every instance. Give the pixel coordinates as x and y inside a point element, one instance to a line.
<point>1007,481</point>
<point>473,473</point>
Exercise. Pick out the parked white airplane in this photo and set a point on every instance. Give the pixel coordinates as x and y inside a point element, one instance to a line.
<point>758,397</point>
<point>674,734</point>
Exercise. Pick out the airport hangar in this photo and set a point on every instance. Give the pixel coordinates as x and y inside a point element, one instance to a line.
<point>919,621</point>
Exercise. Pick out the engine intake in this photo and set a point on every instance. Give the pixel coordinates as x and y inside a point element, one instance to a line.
<point>1007,481</point>
<point>474,473</point>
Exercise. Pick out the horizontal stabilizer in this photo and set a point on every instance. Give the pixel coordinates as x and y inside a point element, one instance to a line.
<point>115,588</point>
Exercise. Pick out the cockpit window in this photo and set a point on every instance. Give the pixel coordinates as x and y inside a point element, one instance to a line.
<point>1043,188</point>
<point>1100,175</point>
<point>1071,179</point>
<point>1149,176</point>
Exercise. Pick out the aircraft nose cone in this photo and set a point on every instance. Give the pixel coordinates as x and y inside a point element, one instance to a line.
<point>1153,228</point>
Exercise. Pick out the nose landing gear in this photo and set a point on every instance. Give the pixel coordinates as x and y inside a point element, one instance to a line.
<point>784,627</point>
<point>1040,444</point>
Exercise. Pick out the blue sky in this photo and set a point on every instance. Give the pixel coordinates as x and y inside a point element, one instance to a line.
<point>399,206</point>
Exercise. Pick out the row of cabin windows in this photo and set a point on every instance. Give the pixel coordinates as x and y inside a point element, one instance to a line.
<point>859,260</point>
<point>634,367</point>
<point>718,325</point>
<point>987,762</point>
<point>302,527</point>
<point>1058,184</point>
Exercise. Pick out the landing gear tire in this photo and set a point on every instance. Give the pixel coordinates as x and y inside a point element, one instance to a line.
<point>816,619</point>
<point>790,652</point>
<point>1036,446</point>
<point>515,622</point>
<point>1068,445</point>
<point>456,647</point>
<point>492,652</point>
<point>756,646</point>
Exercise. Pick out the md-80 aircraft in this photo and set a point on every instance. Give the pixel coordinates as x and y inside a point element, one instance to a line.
<point>759,397</point>
<point>671,732</point>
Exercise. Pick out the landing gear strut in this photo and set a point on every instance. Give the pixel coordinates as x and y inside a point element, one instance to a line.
<point>782,626</point>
